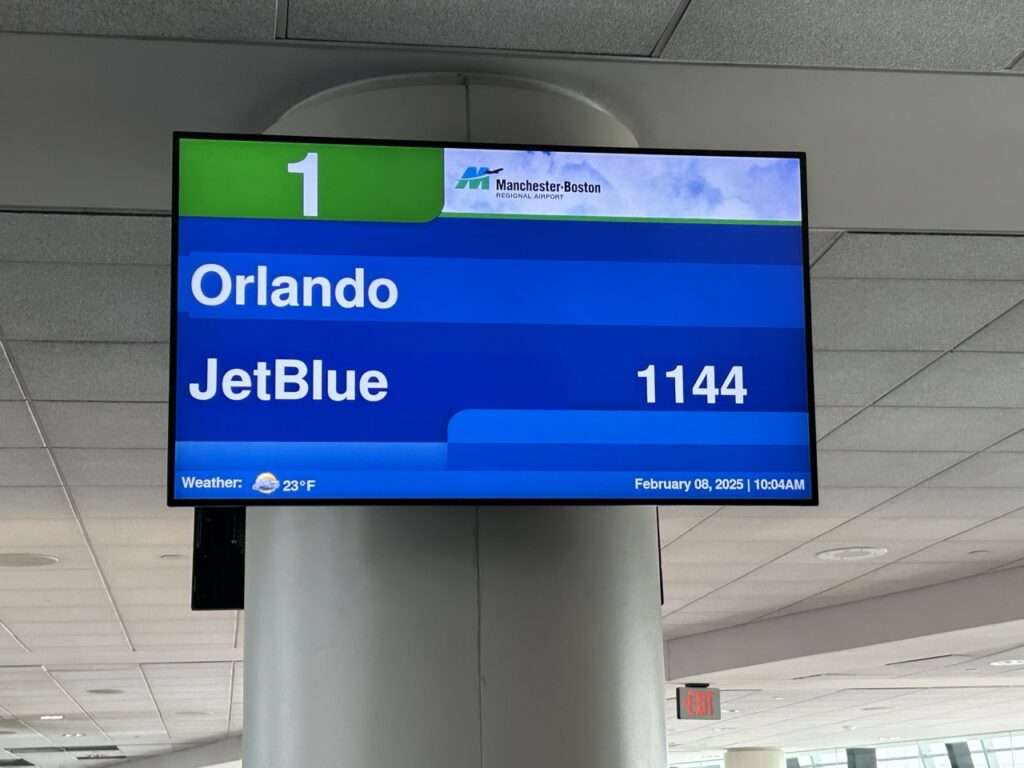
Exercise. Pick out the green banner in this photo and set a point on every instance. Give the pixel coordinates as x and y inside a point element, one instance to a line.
<point>329,182</point>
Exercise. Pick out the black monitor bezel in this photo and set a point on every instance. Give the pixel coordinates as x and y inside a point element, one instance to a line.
<point>647,501</point>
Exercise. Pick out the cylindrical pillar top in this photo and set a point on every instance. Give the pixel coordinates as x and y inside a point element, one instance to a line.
<point>456,107</point>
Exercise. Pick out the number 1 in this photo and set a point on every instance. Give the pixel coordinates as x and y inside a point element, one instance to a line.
<point>310,193</point>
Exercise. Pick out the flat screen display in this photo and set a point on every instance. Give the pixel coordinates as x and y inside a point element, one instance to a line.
<point>372,322</point>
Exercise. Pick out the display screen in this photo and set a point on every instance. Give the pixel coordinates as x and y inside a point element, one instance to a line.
<point>360,322</point>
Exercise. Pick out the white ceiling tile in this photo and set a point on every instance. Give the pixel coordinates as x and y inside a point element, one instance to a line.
<point>745,529</point>
<point>8,386</point>
<point>115,502</point>
<point>46,599</point>
<point>821,240</point>
<point>719,602</point>
<point>807,554</point>
<point>39,503</point>
<point>17,430</point>
<point>580,26</point>
<point>50,578</point>
<point>920,530</point>
<point>75,302</point>
<point>74,555</point>
<point>144,641</point>
<point>120,558</point>
<point>1006,334</point>
<point>1008,529</point>
<point>905,314</point>
<point>977,552</point>
<point>978,35</point>
<point>896,469</point>
<point>205,621</point>
<point>126,597</point>
<point>921,428</point>
<point>162,578</point>
<point>26,466</point>
<point>149,532</point>
<point>111,466</point>
<point>836,503</point>
<point>827,418</point>
<point>966,379</point>
<point>698,575</point>
<point>1012,444</point>
<point>92,238</point>
<point>798,569</point>
<point>103,425</point>
<point>40,533</point>
<point>77,641</point>
<point>966,503</point>
<point>115,372</point>
<point>920,257</point>
<point>683,551</point>
<point>985,470</point>
<point>675,521</point>
<point>860,378</point>
<point>203,19</point>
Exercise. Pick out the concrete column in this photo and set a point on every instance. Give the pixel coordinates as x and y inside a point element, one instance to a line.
<point>453,637</point>
<point>755,757</point>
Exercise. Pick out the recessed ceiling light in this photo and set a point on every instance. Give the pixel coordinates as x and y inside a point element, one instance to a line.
<point>52,717</point>
<point>105,691</point>
<point>172,556</point>
<point>26,560</point>
<point>779,698</point>
<point>846,554</point>
<point>732,711</point>
<point>73,735</point>
<point>1007,663</point>
<point>850,727</point>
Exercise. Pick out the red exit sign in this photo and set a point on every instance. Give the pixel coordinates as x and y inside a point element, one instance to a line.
<point>698,704</point>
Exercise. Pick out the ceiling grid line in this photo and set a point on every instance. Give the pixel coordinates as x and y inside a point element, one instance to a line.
<point>970,528</point>
<point>75,512</point>
<point>828,247</point>
<point>1012,65</point>
<point>825,533</point>
<point>14,637</point>
<point>281,20</point>
<point>152,698</point>
<point>75,701</point>
<point>695,525</point>
<point>231,698</point>
<point>941,356</point>
<point>670,28</point>
<point>876,506</point>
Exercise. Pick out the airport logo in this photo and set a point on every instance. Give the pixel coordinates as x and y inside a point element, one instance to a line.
<point>477,177</point>
<point>266,483</point>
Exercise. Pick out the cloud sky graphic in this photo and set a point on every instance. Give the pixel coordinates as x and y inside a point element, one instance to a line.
<point>654,186</point>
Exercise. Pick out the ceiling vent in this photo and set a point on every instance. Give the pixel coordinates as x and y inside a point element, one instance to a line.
<point>7,763</point>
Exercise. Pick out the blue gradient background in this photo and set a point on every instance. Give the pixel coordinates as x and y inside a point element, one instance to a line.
<point>514,343</point>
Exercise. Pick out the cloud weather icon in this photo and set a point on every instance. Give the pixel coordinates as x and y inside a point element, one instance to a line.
<point>266,482</point>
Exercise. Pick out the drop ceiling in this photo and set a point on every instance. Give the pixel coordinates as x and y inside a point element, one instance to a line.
<point>918,359</point>
<point>947,35</point>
